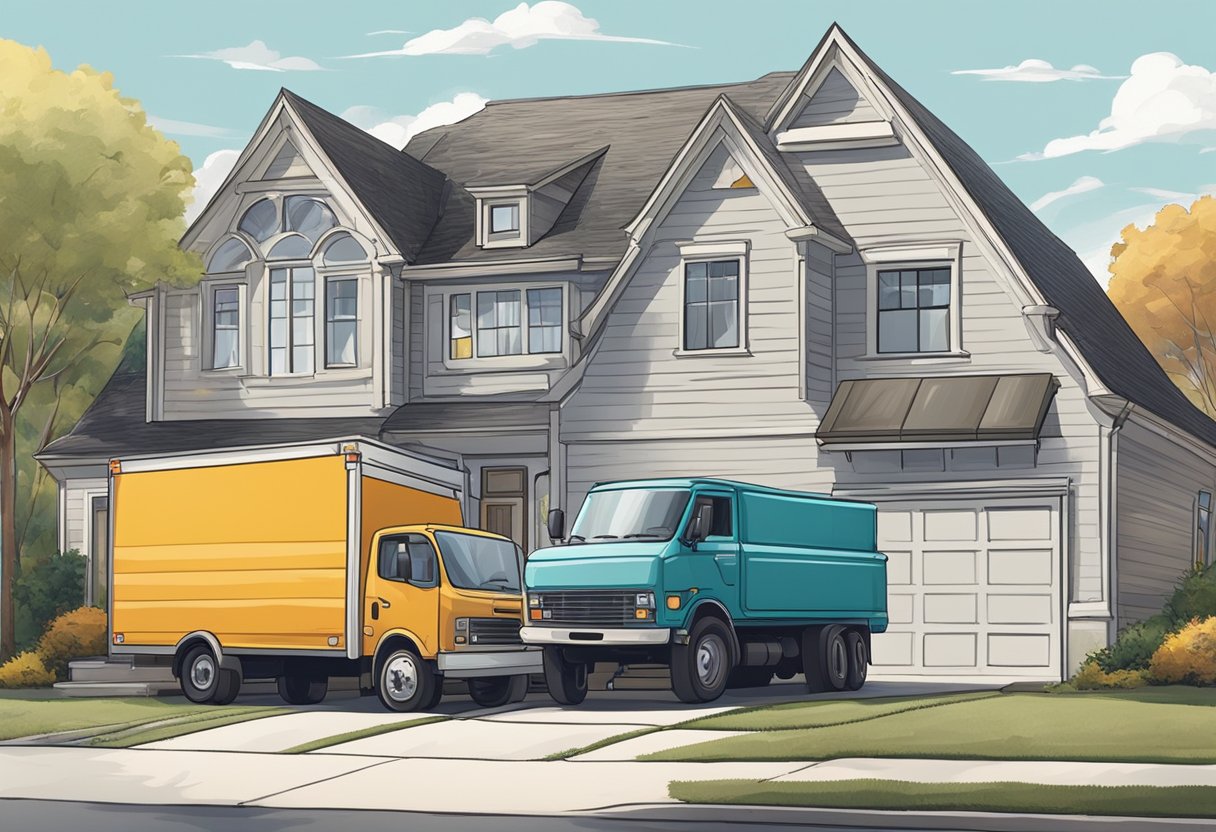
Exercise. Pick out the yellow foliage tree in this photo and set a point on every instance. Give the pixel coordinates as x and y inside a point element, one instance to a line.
<point>1164,282</point>
<point>91,206</point>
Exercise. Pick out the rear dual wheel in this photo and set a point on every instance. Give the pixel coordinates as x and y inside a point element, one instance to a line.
<point>204,681</point>
<point>834,659</point>
<point>496,691</point>
<point>302,690</point>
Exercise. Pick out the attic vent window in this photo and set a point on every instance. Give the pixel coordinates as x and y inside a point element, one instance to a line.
<point>732,176</point>
<point>742,182</point>
<point>504,218</point>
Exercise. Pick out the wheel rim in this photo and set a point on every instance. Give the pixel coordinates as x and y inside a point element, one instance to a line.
<point>202,672</point>
<point>859,659</point>
<point>401,678</point>
<point>840,659</point>
<point>711,660</point>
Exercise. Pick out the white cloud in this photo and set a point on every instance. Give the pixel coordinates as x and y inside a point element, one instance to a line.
<point>1036,71</point>
<point>398,130</point>
<point>1164,100</point>
<point>1083,184</point>
<point>257,55</point>
<point>189,128</point>
<point>390,32</point>
<point>520,27</point>
<point>208,178</point>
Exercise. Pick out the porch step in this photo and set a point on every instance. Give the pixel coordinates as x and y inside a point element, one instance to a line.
<point>118,670</point>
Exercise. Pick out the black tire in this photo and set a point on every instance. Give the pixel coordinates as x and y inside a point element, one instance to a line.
<point>835,658</point>
<point>812,661</point>
<point>496,691</point>
<point>203,681</point>
<point>567,682</point>
<point>749,677</point>
<point>701,668</point>
<point>302,690</point>
<point>859,660</point>
<point>404,682</point>
<point>436,695</point>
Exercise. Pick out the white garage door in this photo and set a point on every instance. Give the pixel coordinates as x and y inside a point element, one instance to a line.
<point>973,588</point>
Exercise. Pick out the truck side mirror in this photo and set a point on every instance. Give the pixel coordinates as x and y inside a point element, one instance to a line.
<point>404,566</point>
<point>557,524</point>
<point>700,524</point>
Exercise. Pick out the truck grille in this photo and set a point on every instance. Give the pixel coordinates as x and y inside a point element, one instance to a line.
<point>592,607</point>
<point>494,631</point>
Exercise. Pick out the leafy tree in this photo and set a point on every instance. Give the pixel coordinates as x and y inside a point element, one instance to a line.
<point>91,204</point>
<point>1164,282</point>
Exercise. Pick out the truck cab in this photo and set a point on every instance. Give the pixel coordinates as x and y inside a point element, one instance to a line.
<point>727,583</point>
<point>445,602</point>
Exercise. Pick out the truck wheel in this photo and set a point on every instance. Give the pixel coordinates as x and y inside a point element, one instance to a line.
<point>302,690</point>
<point>700,668</point>
<point>405,682</point>
<point>567,682</point>
<point>436,697</point>
<point>749,677</point>
<point>859,660</point>
<point>203,681</point>
<point>496,691</point>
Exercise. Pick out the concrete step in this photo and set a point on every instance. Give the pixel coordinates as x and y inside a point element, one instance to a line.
<point>89,689</point>
<point>117,670</point>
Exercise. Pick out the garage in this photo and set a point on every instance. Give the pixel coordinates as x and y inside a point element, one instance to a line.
<point>973,588</point>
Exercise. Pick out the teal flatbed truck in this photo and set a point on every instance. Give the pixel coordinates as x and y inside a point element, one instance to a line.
<point>726,583</point>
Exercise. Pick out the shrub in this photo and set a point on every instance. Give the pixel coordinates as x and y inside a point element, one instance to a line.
<point>45,588</point>
<point>1188,656</point>
<point>1091,676</point>
<point>1133,648</point>
<point>25,670</point>
<point>1194,597</point>
<point>73,635</point>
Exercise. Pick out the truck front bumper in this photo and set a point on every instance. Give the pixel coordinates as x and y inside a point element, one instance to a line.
<point>498,663</point>
<point>595,637</point>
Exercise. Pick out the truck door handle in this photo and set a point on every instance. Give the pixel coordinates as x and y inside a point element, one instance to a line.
<point>384,603</point>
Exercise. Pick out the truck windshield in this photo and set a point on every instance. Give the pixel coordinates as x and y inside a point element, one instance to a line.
<point>609,516</point>
<point>475,562</point>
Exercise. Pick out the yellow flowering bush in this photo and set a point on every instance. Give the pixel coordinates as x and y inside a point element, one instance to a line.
<point>1188,656</point>
<point>1091,676</point>
<point>25,670</point>
<point>74,635</point>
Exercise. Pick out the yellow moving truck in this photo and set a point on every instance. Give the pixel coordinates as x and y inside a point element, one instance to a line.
<point>310,561</point>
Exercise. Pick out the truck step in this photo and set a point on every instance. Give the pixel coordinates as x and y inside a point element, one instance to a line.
<point>101,670</point>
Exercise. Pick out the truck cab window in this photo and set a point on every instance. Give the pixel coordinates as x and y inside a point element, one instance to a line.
<point>409,558</point>
<point>720,511</point>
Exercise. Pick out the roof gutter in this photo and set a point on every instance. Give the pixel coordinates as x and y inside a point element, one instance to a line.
<point>490,268</point>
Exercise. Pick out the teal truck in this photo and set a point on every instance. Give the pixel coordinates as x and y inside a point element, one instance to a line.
<point>726,583</point>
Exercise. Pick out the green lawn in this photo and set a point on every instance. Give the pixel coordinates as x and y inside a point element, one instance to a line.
<point>1132,726</point>
<point>29,717</point>
<point>1133,801</point>
<point>821,714</point>
<point>145,732</point>
<point>362,733</point>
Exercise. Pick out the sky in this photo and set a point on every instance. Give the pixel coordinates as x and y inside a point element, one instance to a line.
<point>1095,112</point>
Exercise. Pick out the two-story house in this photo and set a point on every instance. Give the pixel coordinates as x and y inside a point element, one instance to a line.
<point>806,280</point>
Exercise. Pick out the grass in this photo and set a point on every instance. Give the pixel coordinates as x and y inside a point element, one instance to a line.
<point>30,717</point>
<point>363,733</point>
<point>141,733</point>
<point>1132,801</point>
<point>1131,726</point>
<point>613,740</point>
<point>822,714</point>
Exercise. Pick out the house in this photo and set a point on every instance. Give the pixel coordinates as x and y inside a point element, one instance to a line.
<point>806,280</point>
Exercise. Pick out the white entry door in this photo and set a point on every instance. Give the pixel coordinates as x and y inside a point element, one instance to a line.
<point>973,588</point>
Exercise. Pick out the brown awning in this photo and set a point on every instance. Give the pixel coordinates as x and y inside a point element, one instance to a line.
<point>938,409</point>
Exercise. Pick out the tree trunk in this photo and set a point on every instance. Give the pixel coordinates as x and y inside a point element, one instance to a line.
<point>8,535</point>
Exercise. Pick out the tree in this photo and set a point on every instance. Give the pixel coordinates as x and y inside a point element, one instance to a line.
<point>91,205</point>
<point>1164,282</point>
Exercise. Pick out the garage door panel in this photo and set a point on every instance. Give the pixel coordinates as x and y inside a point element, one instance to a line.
<point>1019,609</point>
<point>895,526</point>
<point>1032,523</point>
<point>892,650</point>
<point>1028,567</point>
<point>1019,650</point>
<point>900,608</point>
<point>950,650</point>
<point>899,567</point>
<point>949,567</point>
<point>950,609</point>
<point>949,524</point>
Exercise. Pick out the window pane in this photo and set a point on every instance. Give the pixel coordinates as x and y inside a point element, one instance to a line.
<point>340,338</point>
<point>907,290</point>
<point>278,284</point>
<point>460,328</point>
<point>261,221</point>
<point>290,248</point>
<point>888,290</point>
<point>344,249</point>
<point>544,320</point>
<point>341,321</point>
<point>695,282</point>
<point>301,359</point>
<point>724,288</point>
<point>498,324</point>
<point>724,268</point>
<point>231,255</point>
<point>934,288</point>
<point>1205,499</point>
<point>225,333</point>
<point>934,330</point>
<point>504,218</point>
<point>308,215</point>
<point>696,326</point>
<point>723,324</point>
<point>897,331</point>
<point>278,361</point>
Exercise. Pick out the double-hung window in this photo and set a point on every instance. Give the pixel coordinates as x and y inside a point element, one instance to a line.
<point>226,327</point>
<point>504,322</point>
<point>341,321</point>
<point>292,338</point>
<point>1203,529</point>
<point>914,310</point>
<point>711,305</point>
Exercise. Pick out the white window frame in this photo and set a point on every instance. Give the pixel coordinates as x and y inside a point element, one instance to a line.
<point>709,251</point>
<point>1207,557</point>
<point>525,360</point>
<point>208,287</point>
<point>910,257</point>
<point>502,239</point>
<point>318,327</point>
<point>324,279</point>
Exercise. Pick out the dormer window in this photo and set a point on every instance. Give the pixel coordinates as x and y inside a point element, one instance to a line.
<point>504,219</point>
<point>504,222</point>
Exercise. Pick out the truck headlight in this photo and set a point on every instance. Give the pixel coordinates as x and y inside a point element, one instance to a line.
<point>462,624</point>
<point>533,600</point>
<point>645,600</point>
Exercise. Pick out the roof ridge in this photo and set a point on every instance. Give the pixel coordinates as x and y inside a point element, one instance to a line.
<point>649,91</point>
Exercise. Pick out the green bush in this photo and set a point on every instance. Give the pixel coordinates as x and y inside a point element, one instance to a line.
<point>1193,598</point>
<point>46,588</point>
<point>1134,646</point>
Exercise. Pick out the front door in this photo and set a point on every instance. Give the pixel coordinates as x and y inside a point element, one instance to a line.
<point>403,592</point>
<point>504,500</point>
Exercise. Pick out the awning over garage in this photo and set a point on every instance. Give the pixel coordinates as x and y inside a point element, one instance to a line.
<point>990,408</point>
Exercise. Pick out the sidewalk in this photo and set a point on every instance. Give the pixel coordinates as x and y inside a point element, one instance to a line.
<point>353,781</point>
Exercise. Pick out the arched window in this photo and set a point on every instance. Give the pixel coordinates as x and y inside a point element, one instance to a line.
<point>343,248</point>
<point>229,257</point>
<point>261,221</point>
<point>308,216</point>
<point>291,247</point>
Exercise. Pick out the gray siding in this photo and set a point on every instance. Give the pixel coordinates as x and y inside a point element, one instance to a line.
<point>76,519</point>
<point>398,383</point>
<point>819,274</point>
<point>834,102</point>
<point>1157,484</point>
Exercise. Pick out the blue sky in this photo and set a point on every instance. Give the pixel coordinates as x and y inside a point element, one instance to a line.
<point>1085,188</point>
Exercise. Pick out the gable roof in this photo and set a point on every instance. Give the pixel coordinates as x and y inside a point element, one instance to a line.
<point>404,194</point>
<point>515,139</point>
<point>1107,343</point>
